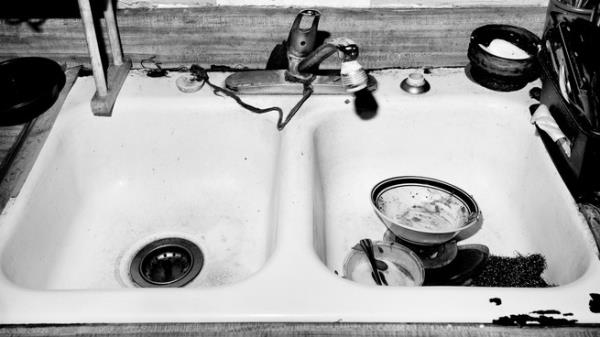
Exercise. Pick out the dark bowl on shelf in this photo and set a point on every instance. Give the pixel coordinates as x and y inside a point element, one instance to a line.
<point>502,73</point>
<point>28,87</point>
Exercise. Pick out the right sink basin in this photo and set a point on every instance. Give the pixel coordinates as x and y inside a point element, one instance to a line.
<point>484,146</point>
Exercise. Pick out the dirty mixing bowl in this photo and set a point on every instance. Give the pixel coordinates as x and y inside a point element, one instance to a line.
<point>399,265</point>
<point>424,211</point>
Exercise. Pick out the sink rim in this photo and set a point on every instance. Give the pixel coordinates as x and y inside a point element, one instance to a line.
<point>321,297</point>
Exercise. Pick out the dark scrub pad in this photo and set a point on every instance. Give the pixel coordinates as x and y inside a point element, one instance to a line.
<point>521,272</point>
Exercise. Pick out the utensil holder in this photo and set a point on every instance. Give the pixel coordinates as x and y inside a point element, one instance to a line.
<point>580,169</point>
<point>565,11</point>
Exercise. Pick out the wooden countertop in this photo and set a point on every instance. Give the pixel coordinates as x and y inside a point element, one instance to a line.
<point>20,144</point>
<point>10,137</point>
<point>295,329</point>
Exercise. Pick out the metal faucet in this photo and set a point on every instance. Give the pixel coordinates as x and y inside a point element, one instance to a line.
<point>303,56</point>
<point>300,76</point>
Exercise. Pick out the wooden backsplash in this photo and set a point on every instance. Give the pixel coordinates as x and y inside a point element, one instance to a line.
<point>328,3</point>
<point>244,36</point>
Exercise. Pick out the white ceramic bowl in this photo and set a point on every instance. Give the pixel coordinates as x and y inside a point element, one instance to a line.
<point>424,211</point>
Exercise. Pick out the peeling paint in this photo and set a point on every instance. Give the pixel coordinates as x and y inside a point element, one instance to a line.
<point>595,303</point>
<point>546,312</point>
<point>535,319</point>
<point>496,300</point>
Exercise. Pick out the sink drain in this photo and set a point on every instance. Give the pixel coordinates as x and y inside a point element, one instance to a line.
<point>169,262</point>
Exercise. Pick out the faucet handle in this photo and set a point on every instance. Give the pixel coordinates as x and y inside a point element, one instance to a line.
<point>301,41</point>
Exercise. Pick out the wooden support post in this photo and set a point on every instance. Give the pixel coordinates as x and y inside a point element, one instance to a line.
<point>90,34</point>
<point>109,84</point>
<point>113,33</point>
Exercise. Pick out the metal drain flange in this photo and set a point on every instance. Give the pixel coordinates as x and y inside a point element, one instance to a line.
<point>168,262</point>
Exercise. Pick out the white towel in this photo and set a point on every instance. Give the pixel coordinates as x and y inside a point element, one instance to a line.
<point>544,120</point>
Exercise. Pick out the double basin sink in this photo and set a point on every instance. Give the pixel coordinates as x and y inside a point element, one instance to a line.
<point>276,213</point>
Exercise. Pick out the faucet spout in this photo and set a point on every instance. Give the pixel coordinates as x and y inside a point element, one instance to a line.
<point>354,78</point>
<point>345,46</point>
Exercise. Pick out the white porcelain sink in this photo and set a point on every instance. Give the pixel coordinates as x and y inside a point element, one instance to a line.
<point>275,213</point>
<point>105,187</point>
<point>486,148</point>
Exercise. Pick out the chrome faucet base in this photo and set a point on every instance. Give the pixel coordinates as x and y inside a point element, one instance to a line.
<point>274,82</point>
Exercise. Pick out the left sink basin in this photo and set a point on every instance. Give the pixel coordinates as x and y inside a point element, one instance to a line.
<point>102,188</point>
